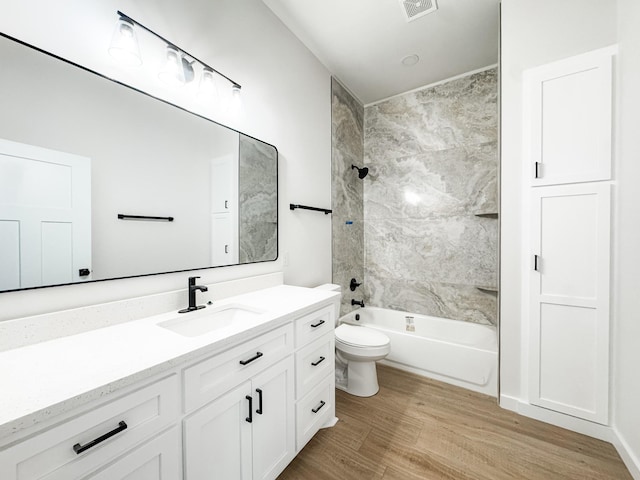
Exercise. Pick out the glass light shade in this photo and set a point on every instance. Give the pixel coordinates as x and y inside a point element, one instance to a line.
<point>124,44</point>
<point>236,98</point>
<point>173,71</point>
<point>207,90</point>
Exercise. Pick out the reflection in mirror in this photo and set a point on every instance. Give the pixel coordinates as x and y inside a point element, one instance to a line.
<point>77,150</point>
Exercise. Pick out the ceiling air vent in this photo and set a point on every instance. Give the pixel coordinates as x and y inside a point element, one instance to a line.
<point>417,8</point>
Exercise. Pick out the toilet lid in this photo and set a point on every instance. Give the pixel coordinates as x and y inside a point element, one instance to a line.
<point>358,336</point>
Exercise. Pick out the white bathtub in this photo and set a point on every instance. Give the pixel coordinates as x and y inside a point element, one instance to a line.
<point>460,353</point>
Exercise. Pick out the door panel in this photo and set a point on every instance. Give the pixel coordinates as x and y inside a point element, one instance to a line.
<point>568,114</point>
<point>273,429</point>
<point>218,438</point>
<point>569,299</point>
<point>9,254</point>
<point>48,194</point>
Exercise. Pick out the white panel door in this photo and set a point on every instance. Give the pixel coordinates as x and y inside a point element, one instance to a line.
<point>45,216</point>
<point>217,438</point>
<point>224,245</point>
<point>569,334</point>
<point>569,107</point>
<point>224,181</point>
<point>273,426</point>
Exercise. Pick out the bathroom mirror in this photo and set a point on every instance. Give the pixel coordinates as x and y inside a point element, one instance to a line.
<point>100,181</point>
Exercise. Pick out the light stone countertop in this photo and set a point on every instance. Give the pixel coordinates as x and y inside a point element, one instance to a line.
<point>50,378</point>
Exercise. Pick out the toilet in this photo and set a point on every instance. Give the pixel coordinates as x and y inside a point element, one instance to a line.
<point>357,350</point>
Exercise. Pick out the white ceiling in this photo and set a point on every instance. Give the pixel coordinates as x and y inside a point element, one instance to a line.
<point>362,42</point>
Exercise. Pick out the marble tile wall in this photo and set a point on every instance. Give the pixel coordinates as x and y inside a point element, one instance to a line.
<point>257,192</point>
<point>432,158</point>
<point>347,148</point>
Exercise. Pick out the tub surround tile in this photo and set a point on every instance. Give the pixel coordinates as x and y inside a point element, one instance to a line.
<point>456,113</point>
<point>456,249</point>
<point>433,164</point>
<point>347,147</point>
<point>456,181</point>
<point>445,300</point>
<point>258,215</point>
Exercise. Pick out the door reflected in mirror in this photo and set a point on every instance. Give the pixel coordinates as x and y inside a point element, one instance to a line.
<point>135,156</point>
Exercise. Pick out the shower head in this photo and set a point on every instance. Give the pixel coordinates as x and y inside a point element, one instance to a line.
<point>362,172</point>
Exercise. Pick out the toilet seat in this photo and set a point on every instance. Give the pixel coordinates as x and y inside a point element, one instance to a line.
<point>359,336</point>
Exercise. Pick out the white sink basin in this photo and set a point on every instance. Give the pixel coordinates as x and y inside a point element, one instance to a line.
<point>199,322</point>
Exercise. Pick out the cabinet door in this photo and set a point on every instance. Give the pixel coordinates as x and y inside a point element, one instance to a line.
<point>224,234</point>
<point>274,416</point>
<point>217,438</point>
<point>224,181</point>
<point>158,459</point>
<point>568,115</point>
<point>569,335</point>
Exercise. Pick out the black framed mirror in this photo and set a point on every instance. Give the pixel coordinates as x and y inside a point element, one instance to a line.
<point>101,181</point>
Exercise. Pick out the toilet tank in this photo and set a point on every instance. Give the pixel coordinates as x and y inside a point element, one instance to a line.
<point>334,288</point>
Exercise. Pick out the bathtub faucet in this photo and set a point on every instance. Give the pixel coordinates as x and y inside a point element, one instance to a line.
<point>356,302</point>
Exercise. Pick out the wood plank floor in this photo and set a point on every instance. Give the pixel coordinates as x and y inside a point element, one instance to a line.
<point>417,428</point>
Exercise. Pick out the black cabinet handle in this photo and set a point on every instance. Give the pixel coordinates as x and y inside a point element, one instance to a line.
<point>255,357</point>
<point>317,409</point>
<point>259,410</point>
<point>315,325</point>
<point>81,448</point>
<point>318,362</point>
<point>535,263</point>
<point>250,417</point>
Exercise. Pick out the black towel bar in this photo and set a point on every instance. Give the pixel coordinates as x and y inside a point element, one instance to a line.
<point>304,207</point>
<point>122,216</point>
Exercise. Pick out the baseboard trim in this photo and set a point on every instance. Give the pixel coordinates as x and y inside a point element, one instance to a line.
<point>585,427</point>
<point>631,461</point>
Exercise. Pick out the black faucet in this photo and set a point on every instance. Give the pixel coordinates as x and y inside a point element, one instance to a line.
<point>192,296</point>
<point>356,302</point>
<point>353,285</point>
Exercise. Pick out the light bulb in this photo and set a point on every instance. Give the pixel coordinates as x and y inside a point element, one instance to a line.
<point>172,72</point>
<point>124,44</point>
<point>236,98</point>
<point>207,89</point>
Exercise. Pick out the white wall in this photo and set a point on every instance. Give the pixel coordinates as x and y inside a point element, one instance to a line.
<point>286,102</point>
<point>533,33</point>
<point>627,260</point>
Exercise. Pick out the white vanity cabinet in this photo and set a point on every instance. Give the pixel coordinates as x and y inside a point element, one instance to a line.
<point>241,412</point>
<point>108,433</point>
<point>315,377</point>
<point>247,433</point>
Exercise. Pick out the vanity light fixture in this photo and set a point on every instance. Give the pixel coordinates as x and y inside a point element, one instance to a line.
<point>178,67</point>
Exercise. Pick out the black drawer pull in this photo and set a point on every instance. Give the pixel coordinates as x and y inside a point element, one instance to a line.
<point>317,409</point>
<point>259,409</point>
<point>315,325</point>
<point>255,357</point>
<point>318,362</point>
<point>81,448</point>
<point>250,417</point>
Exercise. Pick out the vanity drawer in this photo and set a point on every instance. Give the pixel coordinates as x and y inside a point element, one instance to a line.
<point>135,417</point>
<point>158,459</point>
<point>315,410</point>
<point>313,363</point>
<point>313,326</point>
<point>216,375</point>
